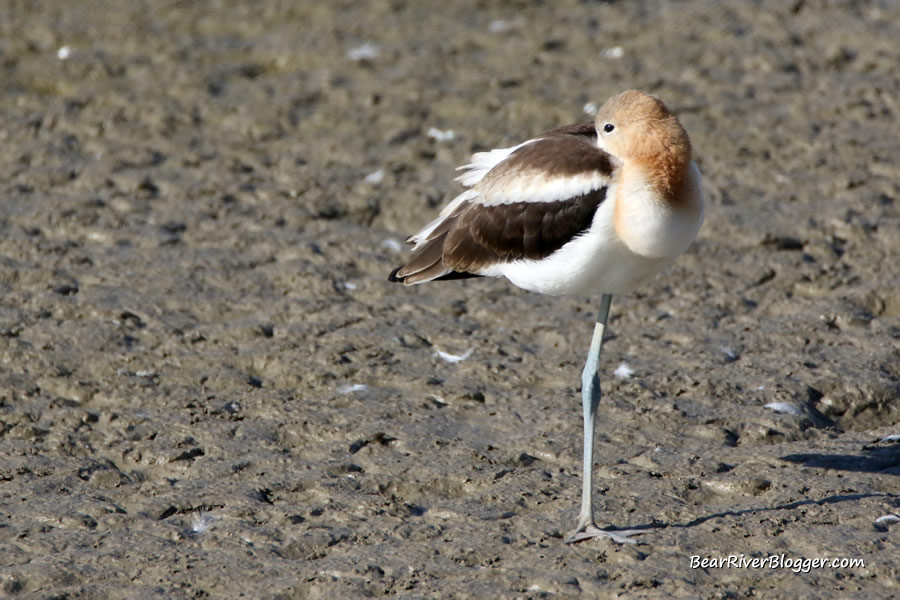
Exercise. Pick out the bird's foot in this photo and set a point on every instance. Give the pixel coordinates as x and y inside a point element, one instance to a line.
<point>586,532</point>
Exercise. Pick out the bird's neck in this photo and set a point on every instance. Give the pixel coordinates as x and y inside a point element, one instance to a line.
<point>663,172</point>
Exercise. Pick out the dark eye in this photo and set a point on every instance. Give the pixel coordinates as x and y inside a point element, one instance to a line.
<point>608,127</point>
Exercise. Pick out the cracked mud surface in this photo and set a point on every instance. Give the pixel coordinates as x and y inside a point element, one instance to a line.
<point>208,389</point>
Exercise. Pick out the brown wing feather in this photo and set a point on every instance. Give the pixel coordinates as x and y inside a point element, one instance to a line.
<point>555,156</point>
<point>487,235</point>
<point>426,262</point>
<point>587,129</point>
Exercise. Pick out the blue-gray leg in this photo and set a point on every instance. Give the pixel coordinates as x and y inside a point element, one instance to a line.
<point>590,398</point>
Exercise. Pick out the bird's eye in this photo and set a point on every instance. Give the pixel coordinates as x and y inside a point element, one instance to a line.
<point>608,127</point>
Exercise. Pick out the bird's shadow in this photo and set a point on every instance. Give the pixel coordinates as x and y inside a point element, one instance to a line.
<point>883,459</point>
<point>763,509</point>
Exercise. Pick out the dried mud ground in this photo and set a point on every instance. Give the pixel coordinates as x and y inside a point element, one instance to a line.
<point>208,389</point>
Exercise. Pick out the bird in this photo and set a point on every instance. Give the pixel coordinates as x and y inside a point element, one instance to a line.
<point>598,207</point>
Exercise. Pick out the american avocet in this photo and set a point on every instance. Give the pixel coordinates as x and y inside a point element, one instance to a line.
<point>601,206</point>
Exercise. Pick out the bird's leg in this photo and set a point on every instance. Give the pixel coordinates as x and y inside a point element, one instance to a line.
<point>590,398</point>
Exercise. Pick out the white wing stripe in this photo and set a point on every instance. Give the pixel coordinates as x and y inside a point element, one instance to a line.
<point>537,186</point>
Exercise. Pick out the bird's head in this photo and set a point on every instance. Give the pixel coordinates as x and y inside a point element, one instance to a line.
<point>638,128</point>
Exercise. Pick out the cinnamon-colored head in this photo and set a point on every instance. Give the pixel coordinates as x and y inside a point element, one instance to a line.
<point>639,130</point>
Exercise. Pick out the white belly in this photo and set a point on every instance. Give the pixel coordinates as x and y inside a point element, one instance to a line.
<point>585,266</point>
<point>599,261</point>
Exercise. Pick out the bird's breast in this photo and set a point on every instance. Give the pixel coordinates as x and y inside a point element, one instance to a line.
<point>653,225</point>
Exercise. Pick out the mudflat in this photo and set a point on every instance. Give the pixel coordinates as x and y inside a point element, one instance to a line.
<point>209,389</point>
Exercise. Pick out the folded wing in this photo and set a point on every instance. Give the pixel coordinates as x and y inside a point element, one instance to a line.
<point>536,198</point>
